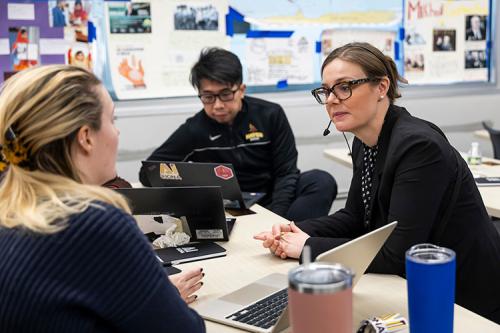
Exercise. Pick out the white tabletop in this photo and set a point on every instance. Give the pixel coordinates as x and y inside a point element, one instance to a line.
<point>247,261</point>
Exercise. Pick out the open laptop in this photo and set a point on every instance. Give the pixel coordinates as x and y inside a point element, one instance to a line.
<point>167,173</point>
<point>240,307</point>
<point>199,209</point>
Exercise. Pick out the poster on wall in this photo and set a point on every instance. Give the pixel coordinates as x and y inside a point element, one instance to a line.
<point>316,27</point>
<point>152,45</point>
<point>273,60</point>
<point>445,41</point>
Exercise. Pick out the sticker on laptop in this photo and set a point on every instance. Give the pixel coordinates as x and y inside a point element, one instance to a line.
<point>223,172</point>
<point>209,234</point>
<point>169,171</point>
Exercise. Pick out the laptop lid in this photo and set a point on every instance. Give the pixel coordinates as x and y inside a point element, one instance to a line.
<point>171,173</point>
<point>199,208</point>
<point>356,254</point>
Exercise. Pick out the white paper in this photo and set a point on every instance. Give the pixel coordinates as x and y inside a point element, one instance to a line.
<point>4,46</point>
<point>270,60</point>
<point>21,11</point>
<point>167,53</point>
<point>333,38</point>
<point>54,46</point>
<point>437,47</point>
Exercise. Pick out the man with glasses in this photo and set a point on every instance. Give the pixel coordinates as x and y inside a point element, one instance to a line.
<point>253,135</point>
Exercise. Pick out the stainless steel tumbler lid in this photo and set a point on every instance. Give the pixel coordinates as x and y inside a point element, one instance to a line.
<point>320,278</point>
<point>430,254</point>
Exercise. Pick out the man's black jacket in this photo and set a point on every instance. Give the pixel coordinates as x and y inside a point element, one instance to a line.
<point>260,144</point>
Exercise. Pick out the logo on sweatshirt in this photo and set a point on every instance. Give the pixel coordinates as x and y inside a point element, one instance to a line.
<point>214,137</point>
<point>169,171</point>
<point>253,133</point>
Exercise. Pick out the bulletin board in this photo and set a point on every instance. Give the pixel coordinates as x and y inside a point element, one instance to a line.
<point>36,33</point>
<point>447,41</point>
<point>281,43</point>
<point>145,48</point>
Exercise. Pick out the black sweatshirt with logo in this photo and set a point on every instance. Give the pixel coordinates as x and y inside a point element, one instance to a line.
<point>259,144</point>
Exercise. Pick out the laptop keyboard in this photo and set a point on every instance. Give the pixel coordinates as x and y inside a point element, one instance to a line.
<point>264,313</point>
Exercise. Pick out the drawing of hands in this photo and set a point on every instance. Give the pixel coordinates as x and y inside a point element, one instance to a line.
<point>134,73</point>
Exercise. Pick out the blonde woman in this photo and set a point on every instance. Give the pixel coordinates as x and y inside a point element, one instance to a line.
<point>71,257</point>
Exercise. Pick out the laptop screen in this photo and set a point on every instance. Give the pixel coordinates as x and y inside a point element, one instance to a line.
<point>199,207</point>
<point>170,173</point>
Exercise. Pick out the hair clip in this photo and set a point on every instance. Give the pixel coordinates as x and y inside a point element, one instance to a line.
<point>10,135</point>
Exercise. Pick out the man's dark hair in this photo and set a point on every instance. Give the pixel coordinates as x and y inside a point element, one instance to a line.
<point>216,64</point>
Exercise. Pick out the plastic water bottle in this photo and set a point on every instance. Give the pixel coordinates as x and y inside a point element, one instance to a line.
<point>474,156</point>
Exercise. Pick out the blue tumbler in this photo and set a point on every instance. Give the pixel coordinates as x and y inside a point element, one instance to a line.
<point>430,279</point>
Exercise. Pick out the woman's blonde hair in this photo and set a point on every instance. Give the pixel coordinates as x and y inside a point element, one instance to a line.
<point>45,107</point>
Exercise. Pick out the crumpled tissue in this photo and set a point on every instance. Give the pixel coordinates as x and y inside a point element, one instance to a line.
<point>171,238</point>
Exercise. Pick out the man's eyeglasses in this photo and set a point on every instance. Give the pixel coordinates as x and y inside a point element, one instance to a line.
<point>225,95</point>
<point>341,90</point>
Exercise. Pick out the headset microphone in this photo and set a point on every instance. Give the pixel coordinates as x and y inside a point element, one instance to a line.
<point>327,129</point>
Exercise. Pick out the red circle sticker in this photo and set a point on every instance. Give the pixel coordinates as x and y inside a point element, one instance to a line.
<point>223,172</point>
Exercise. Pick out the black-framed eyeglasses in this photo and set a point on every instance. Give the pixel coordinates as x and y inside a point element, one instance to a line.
<point>225,95</point>
<point>341,90</point>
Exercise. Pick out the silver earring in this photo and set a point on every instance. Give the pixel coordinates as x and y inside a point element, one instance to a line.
<point>381,98</point>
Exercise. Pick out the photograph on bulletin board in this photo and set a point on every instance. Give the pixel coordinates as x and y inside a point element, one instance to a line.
<point>475,59</point>
<point>79,54</point>
<point>196,17</point>
<point>475,27</point>
<point>73,16</point>
<point>444,40</point>
<point>130,18</point>
<point>24,47</point>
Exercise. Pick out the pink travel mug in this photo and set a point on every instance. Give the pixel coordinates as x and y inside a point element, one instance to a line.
<point>320,298</point>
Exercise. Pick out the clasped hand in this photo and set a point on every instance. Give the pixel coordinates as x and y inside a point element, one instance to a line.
<point>284,240</point>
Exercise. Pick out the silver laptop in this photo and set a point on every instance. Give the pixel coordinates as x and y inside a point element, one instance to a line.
<point>262,305</point>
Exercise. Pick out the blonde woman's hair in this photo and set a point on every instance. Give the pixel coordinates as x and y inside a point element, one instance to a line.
<point>45,107</point>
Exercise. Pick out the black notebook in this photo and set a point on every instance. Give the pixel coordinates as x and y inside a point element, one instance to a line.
<point>189,252</point>
<point>487,181</point>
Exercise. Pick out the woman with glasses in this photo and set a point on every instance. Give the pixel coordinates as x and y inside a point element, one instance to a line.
<point>405,170</point>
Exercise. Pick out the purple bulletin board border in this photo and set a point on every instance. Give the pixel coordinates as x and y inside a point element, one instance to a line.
<point>41,20</point>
